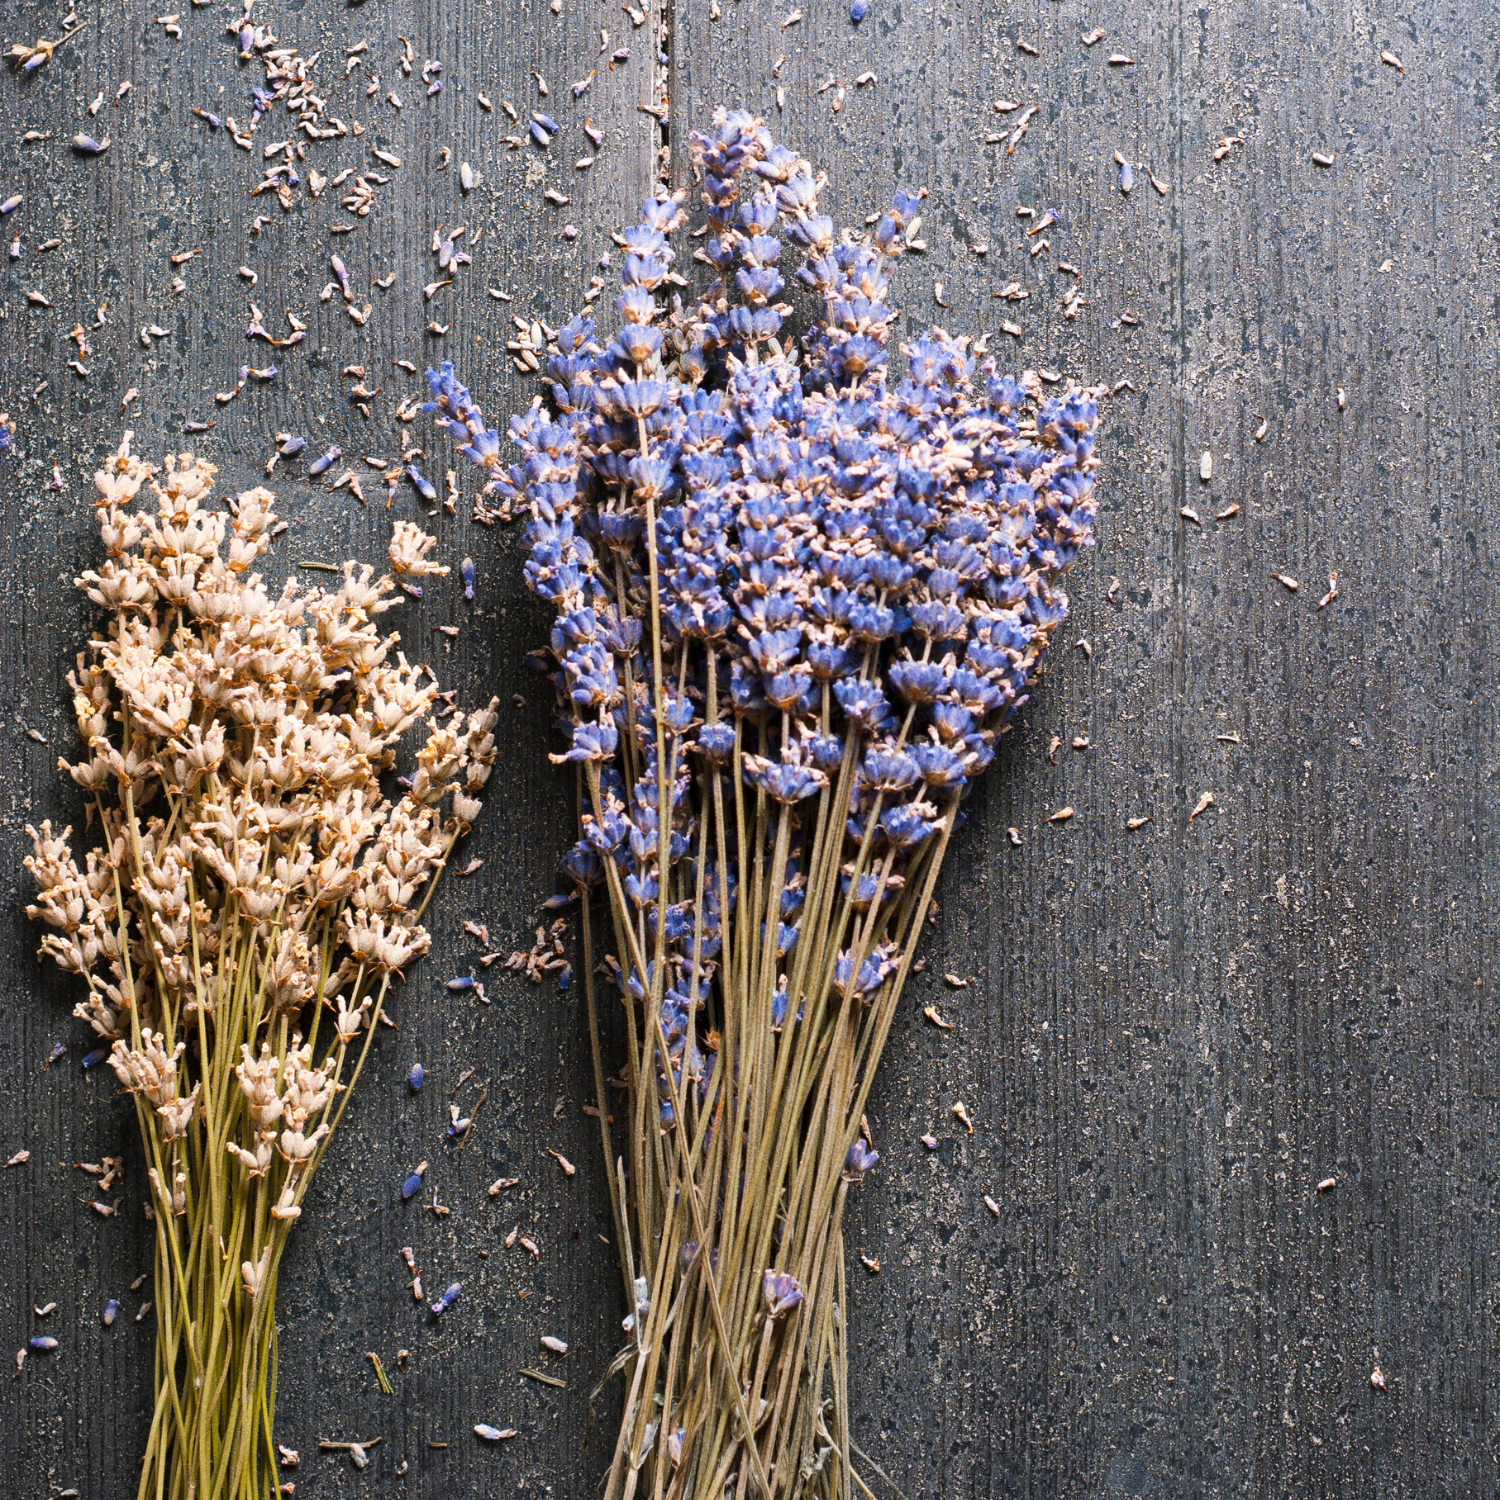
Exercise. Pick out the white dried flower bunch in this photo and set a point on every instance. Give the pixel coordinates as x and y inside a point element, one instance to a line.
<point>252,893</point>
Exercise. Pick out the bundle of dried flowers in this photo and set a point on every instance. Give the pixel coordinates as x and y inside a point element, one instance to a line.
<point>797,601</point>
<point>238,925</point>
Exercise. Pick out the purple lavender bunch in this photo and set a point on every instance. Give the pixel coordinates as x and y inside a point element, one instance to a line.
<point>799,594</point>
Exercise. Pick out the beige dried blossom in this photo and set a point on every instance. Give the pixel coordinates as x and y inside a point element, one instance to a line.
<point>253,888</point>
<point>409,548</point>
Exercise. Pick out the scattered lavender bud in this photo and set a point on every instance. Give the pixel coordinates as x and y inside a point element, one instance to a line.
<point>494,1434</point>
<point>539,133</point>
<point>443,1303</point>
<point>94,1058</point>
<point>59,1049</point>
<point>466,573</point>
<point>291,447</point>
<point>88,146</point>
<point>414,1078</point>
<point>412,1185</point>
<point>423,485</point>
<point>321,465</point>
<point>859,10</point>
<point>44,1343</point>
<point>11,204</point>
<point>463,982</point>
<point>111,1311</point>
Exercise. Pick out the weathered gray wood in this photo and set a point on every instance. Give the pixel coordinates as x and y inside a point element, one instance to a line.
<point>77,1418</point>
<point>1174,1035</point>
<point>1170,1040</point>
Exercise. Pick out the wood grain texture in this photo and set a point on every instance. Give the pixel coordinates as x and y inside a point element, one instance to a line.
<point>1171,1036</point>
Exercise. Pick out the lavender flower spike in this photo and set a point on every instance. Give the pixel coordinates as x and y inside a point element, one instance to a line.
<point>798,595</point>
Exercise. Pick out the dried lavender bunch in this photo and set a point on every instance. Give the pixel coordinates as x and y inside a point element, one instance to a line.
<point>251,896</point>
<point>797,600</point>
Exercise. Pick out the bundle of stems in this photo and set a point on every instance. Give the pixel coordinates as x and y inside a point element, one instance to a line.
<point>251,897</point>
<point>797,598</point>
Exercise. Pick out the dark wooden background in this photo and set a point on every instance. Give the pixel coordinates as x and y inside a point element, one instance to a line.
<point>1171,1036</point>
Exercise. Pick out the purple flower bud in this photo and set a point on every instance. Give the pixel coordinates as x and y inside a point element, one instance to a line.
<point>94,1058</point>
<point>412,1186</point>
<point>414,1078</point>
<point>861,1159</point>
<point>111,1311</point>
<point>782,1293</point>
<point>466,573</point>
<point>44,1343</point>
<point>858,11</point>
<point>11,204</point>
<point>86,145</point>
<point>423,485</point>
<point>463,982</point>
<point>321,465</point>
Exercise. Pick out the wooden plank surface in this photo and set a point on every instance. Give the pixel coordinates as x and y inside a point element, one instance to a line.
<point>1172,1036</point>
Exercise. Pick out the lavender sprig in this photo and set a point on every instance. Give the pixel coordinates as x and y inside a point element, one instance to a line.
<point>798,597</point>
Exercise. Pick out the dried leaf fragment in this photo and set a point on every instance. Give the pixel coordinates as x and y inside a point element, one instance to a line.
<point>1205,802</point>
